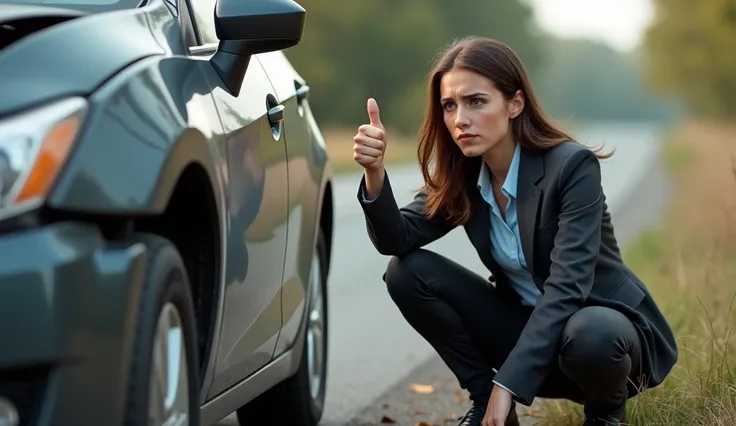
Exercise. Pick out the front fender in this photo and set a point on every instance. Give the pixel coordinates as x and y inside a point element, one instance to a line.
<point>145,127</point>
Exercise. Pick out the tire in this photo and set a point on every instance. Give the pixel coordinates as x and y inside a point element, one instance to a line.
<point>165,296</point>
<point>290,403</point>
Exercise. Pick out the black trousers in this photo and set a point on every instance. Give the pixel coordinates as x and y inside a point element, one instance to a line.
<point>473,327</point>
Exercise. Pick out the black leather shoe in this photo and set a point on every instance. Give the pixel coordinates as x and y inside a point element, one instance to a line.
<point>474,416</point>
<point>606,421</point>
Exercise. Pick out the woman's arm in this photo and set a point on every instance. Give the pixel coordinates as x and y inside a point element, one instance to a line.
<point>573,261</point>
<point>395,231</point>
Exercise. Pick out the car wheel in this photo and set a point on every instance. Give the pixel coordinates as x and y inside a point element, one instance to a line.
<point>163,386</point>
<point>300,400</point>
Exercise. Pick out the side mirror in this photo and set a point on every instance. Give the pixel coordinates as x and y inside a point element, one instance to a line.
<point>258,26</point>
<point>250,27</point>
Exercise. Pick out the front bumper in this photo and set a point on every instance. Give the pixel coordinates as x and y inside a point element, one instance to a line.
<point>68,303</point>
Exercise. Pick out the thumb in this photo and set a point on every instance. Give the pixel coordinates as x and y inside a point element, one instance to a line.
<point>373,113</point>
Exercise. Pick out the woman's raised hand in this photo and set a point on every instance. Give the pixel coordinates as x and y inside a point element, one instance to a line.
<point>370,141</point>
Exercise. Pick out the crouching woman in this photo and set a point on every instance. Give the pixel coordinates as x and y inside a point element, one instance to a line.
<point>562,316</point>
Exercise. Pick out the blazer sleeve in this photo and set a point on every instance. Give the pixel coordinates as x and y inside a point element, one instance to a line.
<point>396,231</point>
<point>573,261</point>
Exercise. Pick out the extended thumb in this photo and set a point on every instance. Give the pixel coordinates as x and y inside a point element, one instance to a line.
<point>373,113</point>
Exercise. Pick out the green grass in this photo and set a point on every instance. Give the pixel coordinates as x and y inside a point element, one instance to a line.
<point>678,156</point>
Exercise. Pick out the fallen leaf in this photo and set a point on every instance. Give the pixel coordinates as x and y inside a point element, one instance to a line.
<point>462,399</point>
<point>416,411</point>
<point>387,419</point>
<point>423,389</point>
<point>424,424</point>
<point>460,396</point>
<point>453,417</point>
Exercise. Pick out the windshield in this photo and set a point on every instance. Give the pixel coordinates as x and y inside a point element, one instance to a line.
<point>92,6</point>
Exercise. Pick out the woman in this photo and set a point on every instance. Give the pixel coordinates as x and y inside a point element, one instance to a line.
<point>562,316</point>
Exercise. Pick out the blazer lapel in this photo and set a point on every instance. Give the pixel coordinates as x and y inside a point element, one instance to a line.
<point>531,170</point>
<point>479,228</point>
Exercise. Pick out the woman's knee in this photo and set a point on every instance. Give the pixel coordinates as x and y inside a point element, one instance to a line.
<point>596,335</point>
<point>402,276</point>
<point>599,350</point>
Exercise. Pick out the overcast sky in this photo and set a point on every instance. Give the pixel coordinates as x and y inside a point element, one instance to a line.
<point>620,23</point>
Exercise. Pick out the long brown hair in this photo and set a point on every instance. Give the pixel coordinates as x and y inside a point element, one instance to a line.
<point>449,176</point>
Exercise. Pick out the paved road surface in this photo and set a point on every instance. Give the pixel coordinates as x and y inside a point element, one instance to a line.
<point>374,355</point>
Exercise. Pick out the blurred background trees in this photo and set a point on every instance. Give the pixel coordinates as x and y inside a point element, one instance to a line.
<point>384,49</point>
<point>691,52</point>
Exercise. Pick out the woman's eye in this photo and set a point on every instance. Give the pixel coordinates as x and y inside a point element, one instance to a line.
<point>476,101</point>
<point>447,106</point>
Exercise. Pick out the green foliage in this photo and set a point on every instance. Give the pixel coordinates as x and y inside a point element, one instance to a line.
<point>384,48</point>
<point>690,51</point>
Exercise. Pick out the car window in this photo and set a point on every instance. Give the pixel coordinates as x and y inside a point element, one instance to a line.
<point>93,6</point>
<point>204,17</point>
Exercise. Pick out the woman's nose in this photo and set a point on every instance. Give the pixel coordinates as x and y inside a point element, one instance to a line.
<point>461,119</point>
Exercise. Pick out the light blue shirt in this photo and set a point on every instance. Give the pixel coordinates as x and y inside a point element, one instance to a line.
<point>505,238</point>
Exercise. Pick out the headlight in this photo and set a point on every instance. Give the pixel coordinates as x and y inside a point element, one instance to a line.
<point>33,149</point>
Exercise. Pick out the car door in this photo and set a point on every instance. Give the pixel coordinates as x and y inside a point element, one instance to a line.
<point>303,191</point>
<point>257,217</point>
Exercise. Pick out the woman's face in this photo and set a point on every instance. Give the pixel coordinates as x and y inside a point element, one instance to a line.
<point>475,112</point>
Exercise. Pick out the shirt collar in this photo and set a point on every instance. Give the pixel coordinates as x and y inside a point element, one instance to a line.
<point>510,184</point>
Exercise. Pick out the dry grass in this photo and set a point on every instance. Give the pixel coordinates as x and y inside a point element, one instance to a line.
<point>401,149</point>
<point>689,264</point>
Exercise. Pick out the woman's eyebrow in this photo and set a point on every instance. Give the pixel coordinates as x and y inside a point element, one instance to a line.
<point>468,96</point>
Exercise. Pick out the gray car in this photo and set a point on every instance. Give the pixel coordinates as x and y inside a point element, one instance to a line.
<point>166,215</point>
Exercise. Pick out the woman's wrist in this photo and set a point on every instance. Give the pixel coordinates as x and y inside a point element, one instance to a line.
<point>374,182</point>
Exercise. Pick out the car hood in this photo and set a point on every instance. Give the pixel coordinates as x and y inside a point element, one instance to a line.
<point>60,52</point>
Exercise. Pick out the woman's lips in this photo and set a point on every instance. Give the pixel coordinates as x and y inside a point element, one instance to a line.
<point>466,137</point>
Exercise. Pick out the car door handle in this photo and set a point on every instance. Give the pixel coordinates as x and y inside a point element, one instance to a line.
<point>302,93</point>
<point>276,114</point>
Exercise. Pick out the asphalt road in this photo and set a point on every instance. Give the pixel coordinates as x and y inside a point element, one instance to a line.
<point>374,355</point>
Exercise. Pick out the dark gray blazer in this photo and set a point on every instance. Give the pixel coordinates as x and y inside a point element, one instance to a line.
<point>571,250</point>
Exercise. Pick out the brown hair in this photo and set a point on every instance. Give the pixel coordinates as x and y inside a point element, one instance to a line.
<point>449,176</point>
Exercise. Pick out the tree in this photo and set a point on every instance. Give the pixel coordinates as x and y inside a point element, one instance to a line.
<point>690,52</point>
<point>383,48</point>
